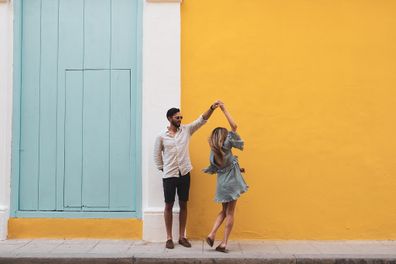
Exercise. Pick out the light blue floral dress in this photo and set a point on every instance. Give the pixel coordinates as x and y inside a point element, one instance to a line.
<point>230,183</point>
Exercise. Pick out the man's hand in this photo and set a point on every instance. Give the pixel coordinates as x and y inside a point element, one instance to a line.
<point>215,105</point>
<point>209,112</point>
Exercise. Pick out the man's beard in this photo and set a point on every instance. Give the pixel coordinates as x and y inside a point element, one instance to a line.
<point>176,124</point>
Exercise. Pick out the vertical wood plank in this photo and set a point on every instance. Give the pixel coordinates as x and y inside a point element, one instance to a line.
<point>48,99</point>
<point>124,34</point>
<point>124,55</point>
<point>30,103</point>
<point>96,118</point>
<point>16,108</point>
<point>73,139</point>
<point>121,196</point>
<point>97,34</point>
<point>71,43</point>
<point>97,56</point>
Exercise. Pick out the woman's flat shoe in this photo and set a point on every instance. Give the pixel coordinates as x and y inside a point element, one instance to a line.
<point>210,241</point>
<point>222,249</point>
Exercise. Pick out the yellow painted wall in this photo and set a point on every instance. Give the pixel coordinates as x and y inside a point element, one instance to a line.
<point>312,85</point>
<point>74,228</point>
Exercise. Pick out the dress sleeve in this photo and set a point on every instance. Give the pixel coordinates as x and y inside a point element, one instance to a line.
<point>211,169</point>
<point>233,140</point>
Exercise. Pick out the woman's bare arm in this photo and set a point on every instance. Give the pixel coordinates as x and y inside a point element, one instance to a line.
<point>230,120</point>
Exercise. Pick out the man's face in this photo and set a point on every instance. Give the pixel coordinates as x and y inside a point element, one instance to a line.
<point>176,119</point>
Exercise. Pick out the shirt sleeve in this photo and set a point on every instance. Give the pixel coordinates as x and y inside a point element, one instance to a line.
<point>233,140</point>
<point>194,126</point>
<point>158,147</point>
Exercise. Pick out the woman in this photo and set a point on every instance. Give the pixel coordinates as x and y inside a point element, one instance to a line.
<point>230,183</point>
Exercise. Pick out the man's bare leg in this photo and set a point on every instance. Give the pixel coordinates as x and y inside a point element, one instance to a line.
<point>182,219</point>
<point>168,216</point>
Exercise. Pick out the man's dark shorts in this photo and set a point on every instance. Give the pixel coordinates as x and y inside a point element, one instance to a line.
<point>180,184</point>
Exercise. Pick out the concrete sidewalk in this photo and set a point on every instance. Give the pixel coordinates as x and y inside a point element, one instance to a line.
<point>129,251</point>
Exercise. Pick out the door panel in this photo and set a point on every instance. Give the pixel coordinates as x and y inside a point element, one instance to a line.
<point>79,58</point>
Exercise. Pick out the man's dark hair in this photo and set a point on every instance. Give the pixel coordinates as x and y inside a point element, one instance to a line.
<point>171,112</point>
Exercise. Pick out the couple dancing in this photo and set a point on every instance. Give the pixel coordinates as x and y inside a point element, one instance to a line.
<point>171,155</point>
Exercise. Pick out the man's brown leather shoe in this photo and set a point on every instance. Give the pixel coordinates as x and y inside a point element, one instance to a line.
<point>169,244</point>
<point>184,242</point>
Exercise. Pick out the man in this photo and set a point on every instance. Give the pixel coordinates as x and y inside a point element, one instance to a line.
<point>171,155</point>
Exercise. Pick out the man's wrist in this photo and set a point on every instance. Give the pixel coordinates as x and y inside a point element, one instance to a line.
<point>211,107</point>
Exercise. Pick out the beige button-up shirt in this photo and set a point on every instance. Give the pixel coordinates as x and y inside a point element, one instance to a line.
<point>171,152</point>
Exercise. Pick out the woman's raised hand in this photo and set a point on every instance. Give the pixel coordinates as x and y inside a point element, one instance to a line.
<point>221,105</point>
<point>230,120</point>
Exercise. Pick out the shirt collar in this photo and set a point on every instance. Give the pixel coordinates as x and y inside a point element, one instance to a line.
<point>179,129</point>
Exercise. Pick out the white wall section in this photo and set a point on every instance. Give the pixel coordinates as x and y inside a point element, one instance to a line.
<point>5,112</point>
<point>161,91</point>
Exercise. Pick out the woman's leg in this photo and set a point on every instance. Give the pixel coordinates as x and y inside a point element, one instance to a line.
<point>219,220</point>
<point>229,222</point>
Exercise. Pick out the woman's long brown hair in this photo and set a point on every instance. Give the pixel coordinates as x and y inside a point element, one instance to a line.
<point>216,141</point>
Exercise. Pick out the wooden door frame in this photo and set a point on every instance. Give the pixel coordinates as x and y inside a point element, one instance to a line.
<point>16,128</point>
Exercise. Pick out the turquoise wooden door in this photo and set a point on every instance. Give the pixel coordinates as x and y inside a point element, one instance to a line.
<point>78,106</point>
